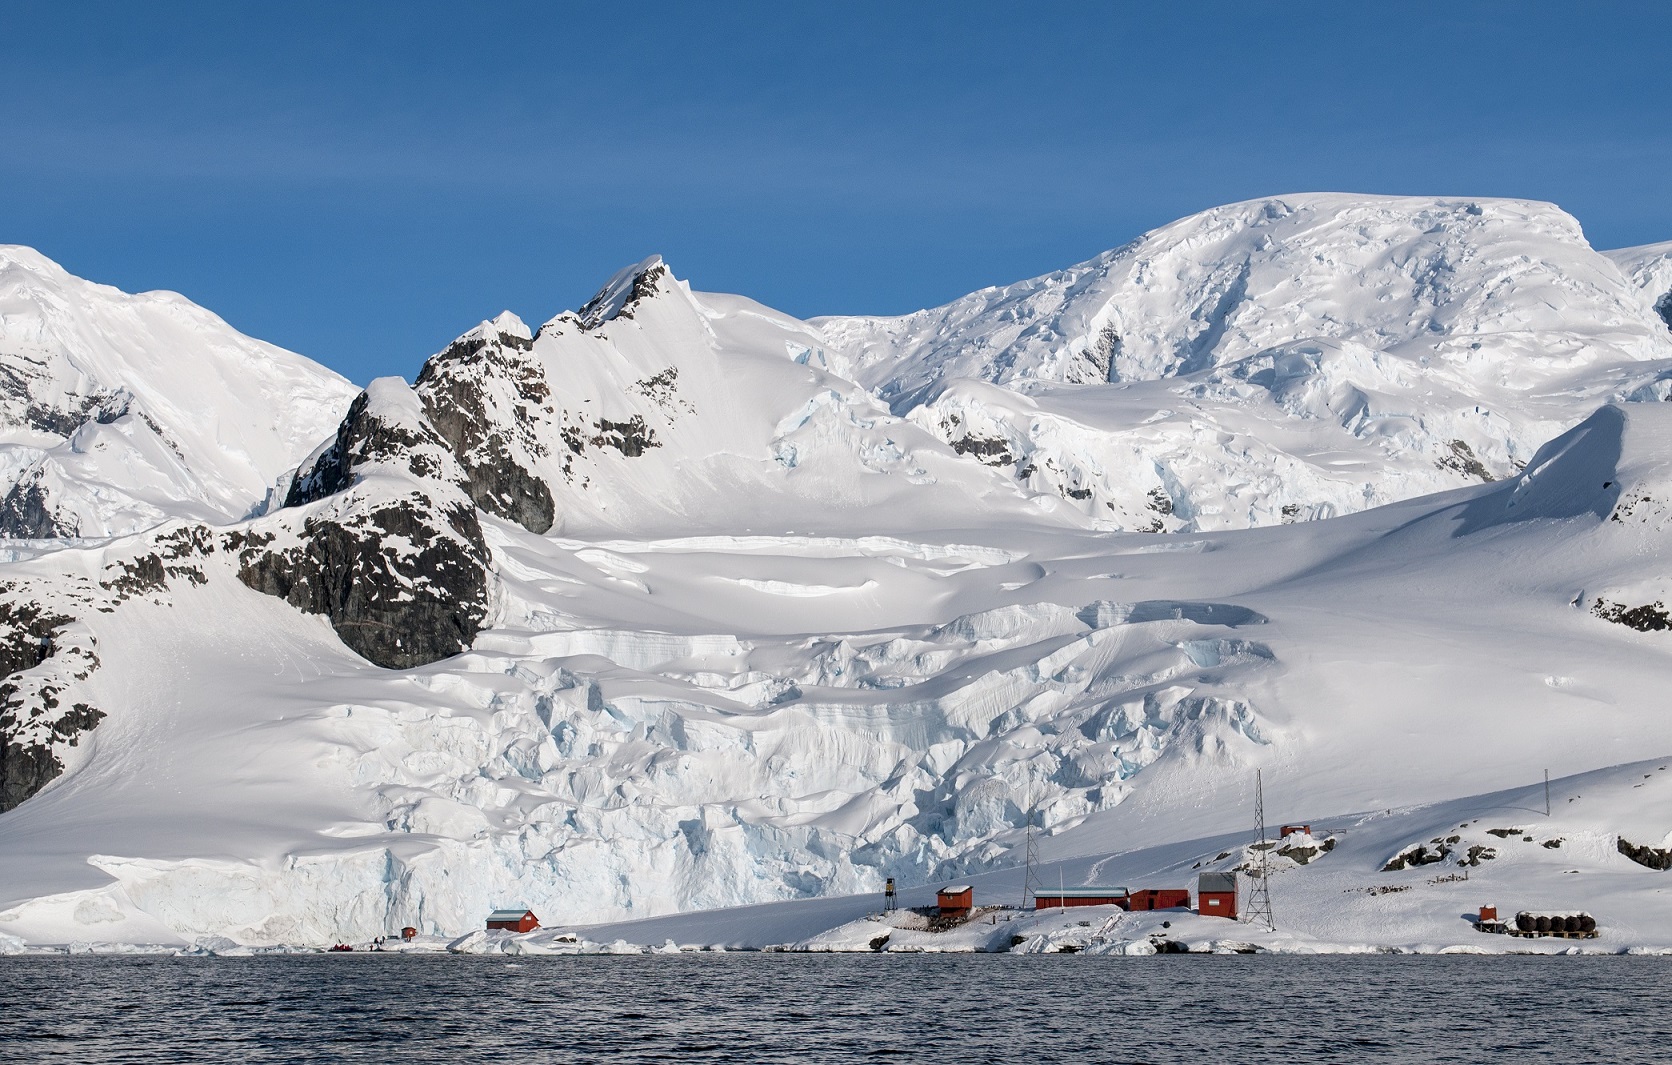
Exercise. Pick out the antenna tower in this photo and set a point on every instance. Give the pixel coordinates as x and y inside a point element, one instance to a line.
<point>1030,877</point>
<point>1259,894</point>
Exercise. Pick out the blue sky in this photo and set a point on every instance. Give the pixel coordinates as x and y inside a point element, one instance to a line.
<point>364,186</point>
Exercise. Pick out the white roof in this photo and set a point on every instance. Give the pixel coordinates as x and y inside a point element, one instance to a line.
<point>955,889</point>
<point>1080,892</point>
<point>507,915</point>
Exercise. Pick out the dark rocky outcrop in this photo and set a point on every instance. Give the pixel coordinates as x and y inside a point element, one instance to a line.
<point>631,437</point>
<point>1417,856</point>
<point>394,608</point>
<point>484,396</point>
<point>398,563</point>
<point>621,297</point>
<point>991,450</point>
<point>1649,617</point>
<point>1663,307</point>
<point>1099,359</point>
<point>34,723</point>
<point>1646,856</point>
<point>27,512</point>
<point>1461,458</point>
<point>363,438</point>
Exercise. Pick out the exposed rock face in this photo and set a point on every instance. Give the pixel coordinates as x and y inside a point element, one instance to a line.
<point>27,511</point>
<point>1644,855</point>
<point>1646,617</point>
<point>484,396</point>
<point>393,553</point>
<point>42,654</point>
<point>622,294</point>
<point>397,609</point>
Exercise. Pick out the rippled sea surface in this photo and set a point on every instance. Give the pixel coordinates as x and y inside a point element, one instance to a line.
<point>834,1008</point>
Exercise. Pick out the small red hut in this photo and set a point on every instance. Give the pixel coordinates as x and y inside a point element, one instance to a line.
<point>956,900</point>
<point>1216,895</point>
<point>513,921</point>
<point>1159,899</point>
<point>1289,830</point>
<point>409,933</point>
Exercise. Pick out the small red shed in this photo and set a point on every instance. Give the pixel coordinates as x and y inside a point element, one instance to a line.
<point>1216,895</point>
<point>409,933</point>
<point>513,921</point>
<point>955,900</point>
<point>1159,899</point>
<point>1289,830</point>
<point>1093,896</point>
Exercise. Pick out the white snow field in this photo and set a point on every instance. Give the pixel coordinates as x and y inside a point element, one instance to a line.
<point>761,624</point>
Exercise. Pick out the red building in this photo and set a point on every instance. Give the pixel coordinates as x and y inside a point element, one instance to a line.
<point>1159,899</point>
<point>1216,895</point>
<point>513,921</point>
<point>955,901</point>
<point>1289,830</point>
<point>1095,896</point>
<point>409,933</point>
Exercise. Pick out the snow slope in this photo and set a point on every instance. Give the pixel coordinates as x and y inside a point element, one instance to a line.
<point>658,411</point>
<point>119,411</point>
<point>626,746</point>
<point>1281,359</point>
<point>680,603</point>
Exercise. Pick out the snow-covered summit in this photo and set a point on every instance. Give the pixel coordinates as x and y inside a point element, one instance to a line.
<point>118,411</point>
<point>629,285</point>
<point>1281,359</point>
<point>1469,282</point>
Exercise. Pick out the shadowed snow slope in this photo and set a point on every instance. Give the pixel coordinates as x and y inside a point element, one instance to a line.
<point>682,603</point>
<point>119,411</point>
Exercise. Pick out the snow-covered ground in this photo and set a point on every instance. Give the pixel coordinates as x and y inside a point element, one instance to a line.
<point>758,629</point>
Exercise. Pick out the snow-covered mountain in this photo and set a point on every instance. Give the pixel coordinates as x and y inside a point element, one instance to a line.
<point>1282,359</point>
<point>120,411</point>
<point>678,602</point>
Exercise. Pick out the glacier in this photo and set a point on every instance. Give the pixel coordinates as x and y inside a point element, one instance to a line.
<point>678,603</point>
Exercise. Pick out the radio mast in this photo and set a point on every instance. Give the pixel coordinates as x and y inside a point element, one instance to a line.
<point>1259,893</point>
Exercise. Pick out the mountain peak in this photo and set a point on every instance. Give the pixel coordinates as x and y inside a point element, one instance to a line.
<point>629,285</point>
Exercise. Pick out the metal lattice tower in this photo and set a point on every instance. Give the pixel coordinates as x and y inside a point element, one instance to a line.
<point>1259,893</point>
<point>1030,876</point>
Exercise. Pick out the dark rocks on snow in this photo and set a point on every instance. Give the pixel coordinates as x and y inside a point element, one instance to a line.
<point>1462,460</point>
<point>1645,618</point>
<point>1099,360</point>
<point>150,572</point>
<point>631,437</point>
<point>1663,307</point>
<point>362,438</point>
<point>1649,857</point>
<point>396,609</point>
<point>457,388</point>
<point>32,720</point>
<point>1417,855</point>
<point>603,308</point>
<point>27,512</point>
<point>991,450</point>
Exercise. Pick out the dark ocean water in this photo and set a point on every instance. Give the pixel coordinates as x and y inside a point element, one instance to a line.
<point>835,1008</point>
